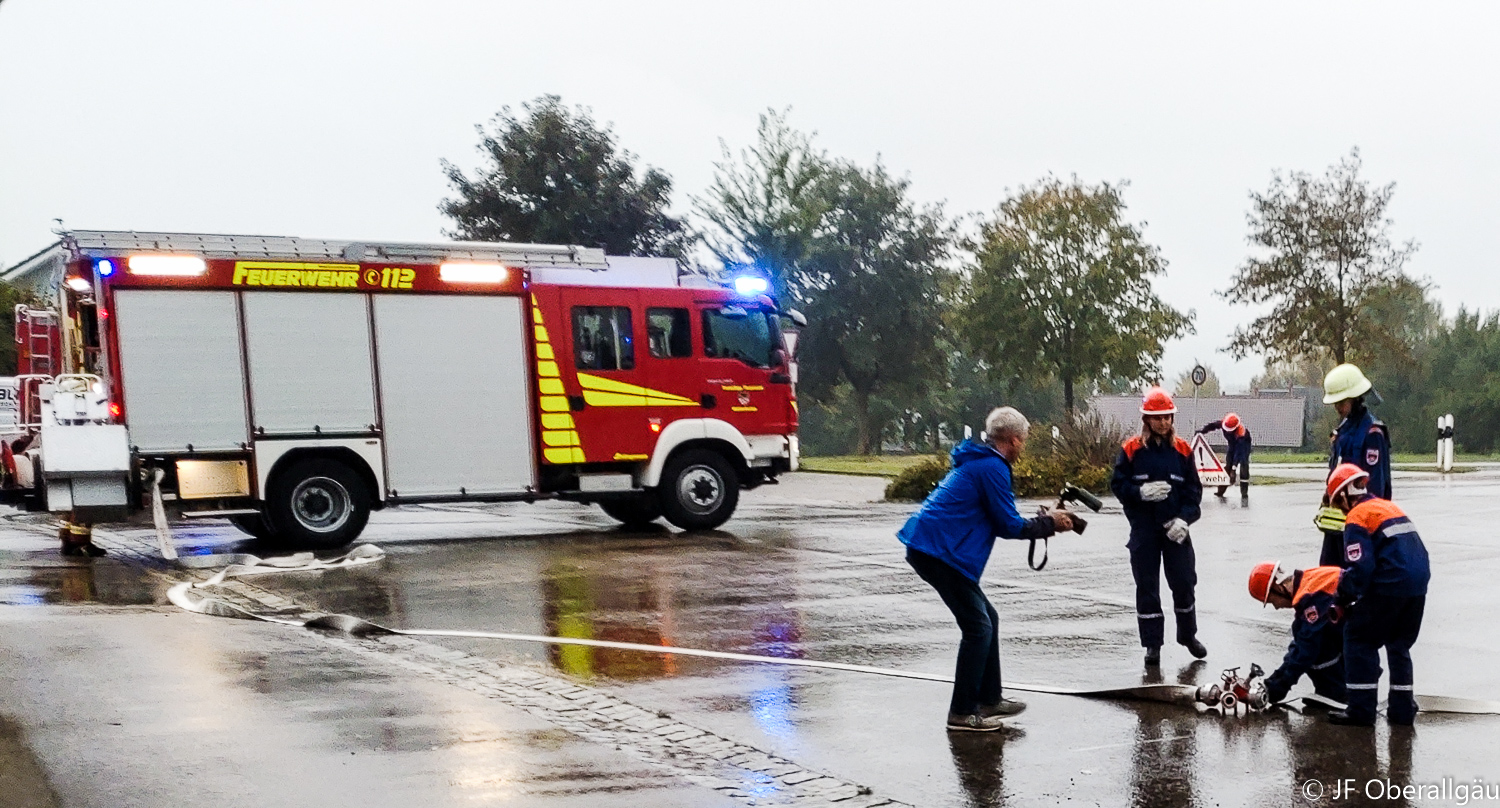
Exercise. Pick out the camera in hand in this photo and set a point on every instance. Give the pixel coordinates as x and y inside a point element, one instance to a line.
<point>1072,493</point>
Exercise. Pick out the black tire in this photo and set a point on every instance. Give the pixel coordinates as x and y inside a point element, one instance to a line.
<point>698,490</point>
<point>317,504</point>
<point>254,525</point>
<point>632,511</point>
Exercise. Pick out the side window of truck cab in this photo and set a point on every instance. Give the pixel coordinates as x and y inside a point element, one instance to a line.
<point>669,333</point>
<point>602,338</point>
<point>737,332</point>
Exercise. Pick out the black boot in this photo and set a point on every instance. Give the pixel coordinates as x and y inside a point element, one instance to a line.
<point>1196,649</point>
<point>1153,656</point>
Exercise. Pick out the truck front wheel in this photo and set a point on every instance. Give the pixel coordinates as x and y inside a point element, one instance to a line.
<point>699,490</point>
<point>636,511</point>
<point>317,504</point>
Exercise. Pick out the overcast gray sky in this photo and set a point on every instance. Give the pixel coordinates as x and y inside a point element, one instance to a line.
<point>327,119</point>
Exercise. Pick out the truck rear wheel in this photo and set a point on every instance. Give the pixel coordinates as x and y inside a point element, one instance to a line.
<point>317,504</point>
<point>253,524</point>
<point>636,511</point>
<point>699,490</point>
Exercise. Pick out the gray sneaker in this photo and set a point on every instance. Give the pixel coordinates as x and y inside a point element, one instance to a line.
<point>1005,709</point>
<point>974,723</point>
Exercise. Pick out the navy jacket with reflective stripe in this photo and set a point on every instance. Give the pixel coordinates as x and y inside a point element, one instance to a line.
<point>1383,554</point>
<point>1316,609</point>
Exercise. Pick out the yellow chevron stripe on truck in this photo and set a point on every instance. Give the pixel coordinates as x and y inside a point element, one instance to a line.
<point>601,392</point>
<point>560,441</point>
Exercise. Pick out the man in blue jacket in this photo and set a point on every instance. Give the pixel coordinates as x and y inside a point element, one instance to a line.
<point>948,542</point>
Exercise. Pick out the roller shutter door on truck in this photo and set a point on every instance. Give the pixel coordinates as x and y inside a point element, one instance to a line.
<point>181,370</point>
<point>454,395</point>
<point>310,365</point>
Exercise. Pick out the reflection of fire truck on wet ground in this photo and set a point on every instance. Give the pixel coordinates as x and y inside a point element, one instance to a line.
<point>293,385</point>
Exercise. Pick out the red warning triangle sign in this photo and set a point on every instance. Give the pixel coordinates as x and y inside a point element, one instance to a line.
<point>1210,470</point>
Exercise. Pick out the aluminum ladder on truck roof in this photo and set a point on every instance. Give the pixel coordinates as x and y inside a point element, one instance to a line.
<point>105,243</point>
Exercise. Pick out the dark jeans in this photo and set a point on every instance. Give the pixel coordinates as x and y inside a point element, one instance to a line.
<point>1391,622</point>
<point>976,680</point>
<point>1148,555</point>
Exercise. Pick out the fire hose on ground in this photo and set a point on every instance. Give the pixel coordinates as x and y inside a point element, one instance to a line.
<point>241,565</point>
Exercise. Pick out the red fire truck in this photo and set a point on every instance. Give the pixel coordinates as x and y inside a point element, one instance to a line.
<point>293,385</point>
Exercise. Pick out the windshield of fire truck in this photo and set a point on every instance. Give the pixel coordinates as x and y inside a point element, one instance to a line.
<point>736,332</point>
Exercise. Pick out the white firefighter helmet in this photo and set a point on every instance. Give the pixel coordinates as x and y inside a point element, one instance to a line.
<point>1344,381</point>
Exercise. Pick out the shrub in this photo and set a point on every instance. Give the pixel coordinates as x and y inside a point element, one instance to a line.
<point>918,480</point>
<point>1042,476</point>
<point>1083,454</point>
<point>1089,440</point>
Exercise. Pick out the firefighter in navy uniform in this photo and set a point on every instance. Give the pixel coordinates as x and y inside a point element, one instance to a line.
<point>1385,577</point>
<point>1317,631</point>
<point>1236,455</point>
<point>1361,439</point>
<point>1156,481</point>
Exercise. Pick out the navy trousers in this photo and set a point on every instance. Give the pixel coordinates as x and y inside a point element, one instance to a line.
<point>1148,556</point>
<point>1327,672</point>
<point>1332,554</point>
<point>976,679</point>
<point>1380,621</point>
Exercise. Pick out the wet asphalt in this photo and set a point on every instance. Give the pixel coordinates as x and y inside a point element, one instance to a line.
<point>807,569</point>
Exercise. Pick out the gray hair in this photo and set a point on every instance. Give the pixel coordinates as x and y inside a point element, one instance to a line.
<point>1003,422</point>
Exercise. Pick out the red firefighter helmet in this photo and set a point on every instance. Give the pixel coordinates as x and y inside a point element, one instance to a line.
<point>1349,476</point>
<point>1231,422</point>
<point>1261,578</point>
<point>1157,402</point>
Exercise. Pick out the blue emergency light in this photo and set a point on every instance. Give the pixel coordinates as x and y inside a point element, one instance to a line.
<point>751,285</point>
<point>104,267</point>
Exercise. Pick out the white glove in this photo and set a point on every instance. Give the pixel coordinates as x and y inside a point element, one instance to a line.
<point>1155,492</point>
<point>1177,530</point>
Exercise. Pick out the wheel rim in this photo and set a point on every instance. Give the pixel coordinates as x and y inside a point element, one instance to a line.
<point>700,489</point>
<point>321,504</point>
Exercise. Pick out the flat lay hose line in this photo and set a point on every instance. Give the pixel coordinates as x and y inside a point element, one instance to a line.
<point>234,566</point>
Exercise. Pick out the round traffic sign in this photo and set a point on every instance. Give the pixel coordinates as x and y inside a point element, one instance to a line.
<point>1200,375</point>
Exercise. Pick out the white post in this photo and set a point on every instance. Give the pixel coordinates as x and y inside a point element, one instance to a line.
<point>1448,445</point>
<point>1442,419</point>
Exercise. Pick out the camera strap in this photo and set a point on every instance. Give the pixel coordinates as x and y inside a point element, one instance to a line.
<point>1031,555</point>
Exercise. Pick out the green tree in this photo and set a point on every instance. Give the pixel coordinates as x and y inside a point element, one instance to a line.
<point>1061,287</point>
<point>1327,256</point>
<point>764,209</point>
<point>554,176</point>
<point>872,284</point>
<point>1462,377</point>
<point>10,297</point>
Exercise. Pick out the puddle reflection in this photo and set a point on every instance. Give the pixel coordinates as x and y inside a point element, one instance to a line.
<point>654,601</point>
<point>978,759</point>
<point>100,581</point>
